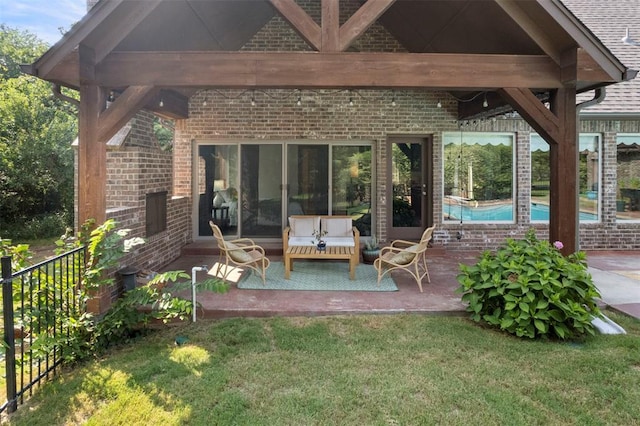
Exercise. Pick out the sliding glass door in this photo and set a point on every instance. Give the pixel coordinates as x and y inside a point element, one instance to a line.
<point>250,189</point>
<point>261,190</point>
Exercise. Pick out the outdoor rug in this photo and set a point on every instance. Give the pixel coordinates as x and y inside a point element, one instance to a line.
<point>319,276</point>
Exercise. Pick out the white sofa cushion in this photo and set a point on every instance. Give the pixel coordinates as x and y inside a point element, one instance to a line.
<point>340,241</point>
<point>337,227</point>
<point>302,241</point>
<point>304,226</point>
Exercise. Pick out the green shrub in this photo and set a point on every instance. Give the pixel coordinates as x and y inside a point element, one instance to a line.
<point>38,227</point>
<point>528,288</point>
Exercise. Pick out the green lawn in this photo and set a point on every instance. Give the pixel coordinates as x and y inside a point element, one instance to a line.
<point>359,370</point>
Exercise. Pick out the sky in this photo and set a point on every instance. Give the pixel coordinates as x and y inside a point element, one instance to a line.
<point>42,17</point>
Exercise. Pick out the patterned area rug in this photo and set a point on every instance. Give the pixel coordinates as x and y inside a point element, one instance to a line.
<point>318,276</point>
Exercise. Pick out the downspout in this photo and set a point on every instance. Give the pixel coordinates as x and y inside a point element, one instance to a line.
<point>598,97</point>
<point>57,92</point>
<point>601,93</point>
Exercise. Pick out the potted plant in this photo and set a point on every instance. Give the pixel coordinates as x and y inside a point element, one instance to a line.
<point>320,243</point>
<point>371,250</point>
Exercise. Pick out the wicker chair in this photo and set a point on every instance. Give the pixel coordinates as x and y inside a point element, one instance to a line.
<point>426,237</point>
<point>409,259</point>
<point>242,252</point>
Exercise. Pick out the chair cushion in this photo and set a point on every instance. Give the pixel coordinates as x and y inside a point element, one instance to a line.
<point>406,256</point>
<point>304,226</point>
<point>237,254</point>
<point>337,227</point>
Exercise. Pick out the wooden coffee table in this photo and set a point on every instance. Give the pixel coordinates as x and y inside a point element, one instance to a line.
<point>312,252</point>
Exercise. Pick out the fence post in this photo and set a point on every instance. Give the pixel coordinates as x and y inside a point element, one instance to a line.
<point>9,333</point>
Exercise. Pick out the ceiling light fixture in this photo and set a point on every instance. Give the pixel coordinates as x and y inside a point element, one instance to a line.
<point>253,99</point>
<point>393,98</point>
<point>628,40</point>
<point>485,103</point>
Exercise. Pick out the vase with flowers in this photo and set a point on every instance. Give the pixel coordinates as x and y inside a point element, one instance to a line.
<point>319,242</point>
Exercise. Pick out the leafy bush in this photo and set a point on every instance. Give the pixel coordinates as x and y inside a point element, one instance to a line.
<point>80,334</point>
<point>528,288</point>
<point>37,227</point>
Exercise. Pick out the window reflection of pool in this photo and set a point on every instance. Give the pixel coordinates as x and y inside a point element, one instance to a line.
<point>502,212</point>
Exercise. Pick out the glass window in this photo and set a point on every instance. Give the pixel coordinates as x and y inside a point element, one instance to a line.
<point>628,172</point>
<point>478,177</point>
<point>589,177</point>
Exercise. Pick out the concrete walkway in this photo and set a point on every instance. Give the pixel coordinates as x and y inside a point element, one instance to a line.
<point>617,276</point>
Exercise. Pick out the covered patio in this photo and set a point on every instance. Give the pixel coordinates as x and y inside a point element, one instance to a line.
<point>531,56</point>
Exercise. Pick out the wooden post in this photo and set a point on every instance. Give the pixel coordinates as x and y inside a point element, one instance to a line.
<point>563,215</point>
<point>92,154</point>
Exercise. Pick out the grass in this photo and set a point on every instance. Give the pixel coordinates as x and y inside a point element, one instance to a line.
<point>402,369</point>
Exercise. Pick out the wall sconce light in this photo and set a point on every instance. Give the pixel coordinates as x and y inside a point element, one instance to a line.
<point>253,98</point>
<point>485,104</point>
<point>161,104</point>
<point>299,101</point>
<point>439,104</point>
<point>111,97</point>
<point>393,98</point>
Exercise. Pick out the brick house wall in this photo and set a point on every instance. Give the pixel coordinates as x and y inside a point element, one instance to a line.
<point>135,168</point>
<point>227,115</point>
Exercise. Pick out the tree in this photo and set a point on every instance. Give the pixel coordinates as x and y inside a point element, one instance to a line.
<point>36,131</point>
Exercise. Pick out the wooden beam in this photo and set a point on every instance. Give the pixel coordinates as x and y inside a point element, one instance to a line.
<point>360,21</point>
<point>531,27</point>
<point>139,10</point>
<point>534,111</point>
<point>594,48</point>
<point>330,25</point>
<point>75,36</point>
<point>122,110</point>
<point>326,70</point>
<point>92,155</point>
<point>301,22</point>
<point>590,70</point>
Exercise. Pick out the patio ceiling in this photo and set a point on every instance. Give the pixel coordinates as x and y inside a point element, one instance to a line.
<point>464,46</point>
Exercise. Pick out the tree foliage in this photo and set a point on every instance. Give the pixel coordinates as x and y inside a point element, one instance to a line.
<point>36,131</point>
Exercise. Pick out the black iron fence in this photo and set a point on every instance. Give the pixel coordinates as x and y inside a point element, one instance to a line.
<point>37,304</point>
